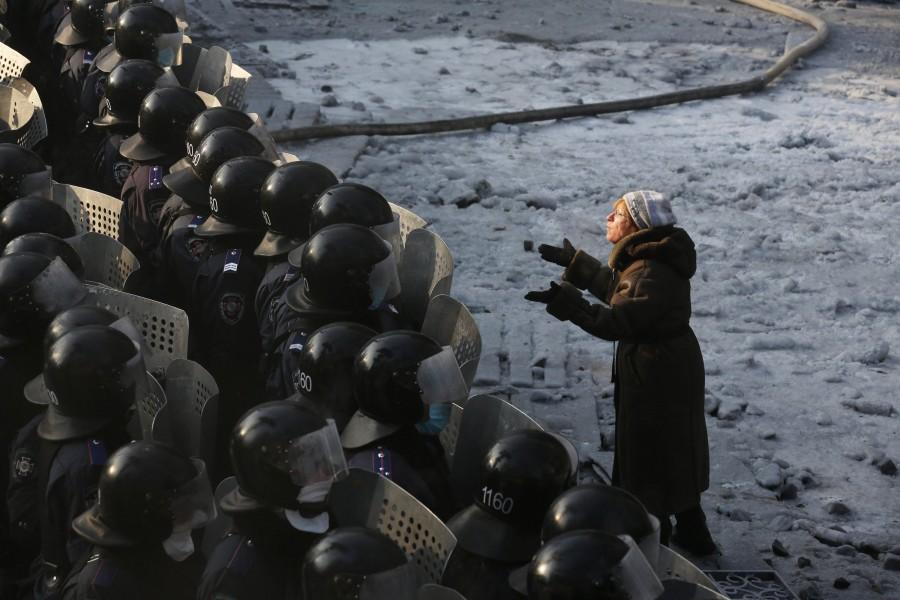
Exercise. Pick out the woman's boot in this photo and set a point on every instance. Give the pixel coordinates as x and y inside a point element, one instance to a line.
<point>691,532</point>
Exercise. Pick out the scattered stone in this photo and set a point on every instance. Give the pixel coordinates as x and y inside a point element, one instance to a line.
<point>840,583</point>
<point>870,407</point>
<point>837,508</point>
<point>263,48</point>
<point>538,201</point>
<point>260,29</point>
<point>734,514</point>
<point>810,592</point>
<point>622,119</point>
<point>711,403</point>
<point>846,550</point>
<point>329,100</point>
<point>787,492</point>
<point>831,537</point>
<point>875,456</point>
<point>874,355</point>
<point>781,523</point>
<point>458,193</point>
<point>754,411</point>
<point>471,89</point>
<point>731,409</point>
<point>769,476</point>
<point>720,9</point>
<point>528,245</point>
<point>823,420</point>
<point>358,106</point>
<point>441,19</point>
<point>803,562</point>
<point>891,562</point>
<point>444,71</point>
<point>782,463</point>
<point>888,468</point>
<point>778,549</point>
<point>768,434</point>
<point>846,4</point>
<point>420,50</point>
<point>326,89</point>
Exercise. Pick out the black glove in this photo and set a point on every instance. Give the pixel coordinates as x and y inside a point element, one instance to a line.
<point>544,296</point>
<point>560,256</point>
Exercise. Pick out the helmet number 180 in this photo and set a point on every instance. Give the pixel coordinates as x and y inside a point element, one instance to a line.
<point>496,500</point>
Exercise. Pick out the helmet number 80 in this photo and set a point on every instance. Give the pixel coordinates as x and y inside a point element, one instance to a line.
<point>305,382</point>
<point>496,500</point>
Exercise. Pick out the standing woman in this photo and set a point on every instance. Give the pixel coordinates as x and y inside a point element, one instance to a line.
<point>662,454</point>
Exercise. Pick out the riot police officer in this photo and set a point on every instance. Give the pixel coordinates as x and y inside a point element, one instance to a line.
<point>185,252</point>
<point>92,375</point>
<point>23,173</point>
<point>223,326</point>
<point>33,214</point>
<point>150,498</point>
<point>128,84</point>
<point>50,246</point>
<point>520,477</point>
<point>164,116</point>
<point>349,274</point>
<point>396,377</point>
<point>285,460</point>
<point>286,200</point>
<point>324,376</point>
<point>143,31</point>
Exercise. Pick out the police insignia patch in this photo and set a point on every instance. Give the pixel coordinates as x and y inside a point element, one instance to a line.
<point>24,466</point>
<point>156,178</point>
<point>88,58</point>
<point>232,260</point>
<point>121,169</point>
<point>231,307</point>
<point>196,247</point>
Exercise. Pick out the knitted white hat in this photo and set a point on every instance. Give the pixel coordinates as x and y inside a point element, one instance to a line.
<point>649,209</point>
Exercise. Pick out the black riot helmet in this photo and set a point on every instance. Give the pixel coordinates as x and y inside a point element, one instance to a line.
<point>234,197</point>
<point>396,376</point>
<point>346,267</point>
<point>350,203</point>
<point>324,374</point>
<point>32,214</point>
<point>21,171</point>
<point>175,7</point>
<point>356,563</point>
<point>126,87</point>
<point>164,117</point>
<point>92,374</point>
<point>147,491</point>
<point>591,565</point>
<point>144,31</point>
<point>73,318</point>
<point>286,201</point>
<point>210,120</point>
<point>84,23</point>
<point>50,246</point>
<point>218,146</point>
<point>277,449</point>
<point>34,289</point>
<point>520,476</point>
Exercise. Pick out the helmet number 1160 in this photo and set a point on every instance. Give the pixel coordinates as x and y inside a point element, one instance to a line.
<point>496,500</point>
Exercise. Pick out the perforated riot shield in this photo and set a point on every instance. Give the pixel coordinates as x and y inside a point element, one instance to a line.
<point>90,210</point>
<point>450,433</point>
<point>164,327</point>
<point>432,591</point>
<point>426,271</point>
<point>18,116</point>
<point>485,419</point>
<point>106,261</point>
<point>193,403</point>
<point>233,91</point>
<point>12,64</point>
<point>152,413</point>
<point>366,499</point>
<point>408,221</point>
<point>449,323</point>
<point>671,565</point>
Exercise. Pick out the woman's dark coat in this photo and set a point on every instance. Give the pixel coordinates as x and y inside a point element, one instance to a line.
<point>662,455</point>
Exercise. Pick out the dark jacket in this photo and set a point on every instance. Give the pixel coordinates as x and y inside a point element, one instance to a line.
<point>662,454</point>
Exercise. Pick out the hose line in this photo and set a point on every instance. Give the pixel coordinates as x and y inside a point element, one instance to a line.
<point>754,84</point>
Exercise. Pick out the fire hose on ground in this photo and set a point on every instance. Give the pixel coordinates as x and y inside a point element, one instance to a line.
<point>754,84</point>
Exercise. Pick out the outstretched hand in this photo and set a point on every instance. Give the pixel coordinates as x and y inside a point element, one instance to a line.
<point>560,256</point>
<point>544,296</point>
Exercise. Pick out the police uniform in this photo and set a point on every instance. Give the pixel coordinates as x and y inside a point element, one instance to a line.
<point>224,333</point>
<point>110,169</point>
<point>269,302</point>
<point>67,477</point>
<point>132,574</point>
<point>143,196</point>
<point>261,559</point>
<point>387,463</point>
<point>478,578</point>
<point>293,326</point>
<point>20,543</point>
<point>181,252</point>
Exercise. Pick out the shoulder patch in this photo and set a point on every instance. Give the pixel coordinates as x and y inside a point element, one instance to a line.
<point>97,453</point>
<point>156,178</point>
<point>24,465</point>
<point>232,260</point>
<point>298,340</point>
<point>120,170</point>
<point>291,275</point>
<point>88,58</point>
<point>381,462</point>
<point>197,247</point>
<point>231,307</point>
<point>196,222</point>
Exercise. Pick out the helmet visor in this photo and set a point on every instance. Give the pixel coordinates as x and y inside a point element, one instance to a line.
<point>54,289</point>
<point>390,232</point>
<point>637,577</point>
<point>36,184</point>
<point>384,281</point>
<point>314,457</point>
<point>259,131</point>
<point>399,583</point>
<point>194,504</point>
<point>127,327</point>
<point>440,379</point>
<point>168,49</point>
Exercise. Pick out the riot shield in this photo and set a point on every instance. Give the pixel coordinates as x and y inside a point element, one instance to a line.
<point>216,529</point>
<point>213,70</point>
<point>18,115</point>
<point>450,433</point>
<point>449,323</point>
<point>164,327</point>
<point>37,127</point>
<point>106,261</point>
<point>90,210</point>
<point>426,271</point>
<point>12,64</point>
<point>671,565</point>
<point>191,55</point>
<point>366,499</point>
<point>152,413</point>
<point>485,419</point>
<point>432,591</point>
<point>193,403</point>
<point>232,92</point>
<point>408,220</point>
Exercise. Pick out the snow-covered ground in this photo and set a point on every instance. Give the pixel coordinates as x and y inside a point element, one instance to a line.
<point>791,195</point>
